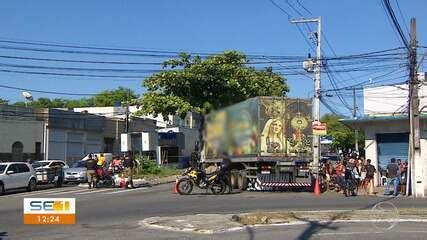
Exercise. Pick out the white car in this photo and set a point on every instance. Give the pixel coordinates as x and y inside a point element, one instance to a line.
<point>49,164</point>
<point>14,175</point>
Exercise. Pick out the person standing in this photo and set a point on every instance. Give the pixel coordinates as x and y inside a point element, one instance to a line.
<point>129,164</point>
<point>328,169</point>
<point>225,173</point>
<point>392,177</point>
<point>91,171</point>
<point>369,177</point>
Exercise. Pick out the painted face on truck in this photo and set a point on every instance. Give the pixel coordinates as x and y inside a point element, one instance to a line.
<point>276,127</point>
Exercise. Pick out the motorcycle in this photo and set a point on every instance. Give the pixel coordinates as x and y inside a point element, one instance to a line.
<point>197,177</point>
<point>350,183</point>
<point>104,179</point>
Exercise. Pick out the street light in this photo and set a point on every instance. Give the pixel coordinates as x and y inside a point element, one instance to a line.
<point>28,98</point>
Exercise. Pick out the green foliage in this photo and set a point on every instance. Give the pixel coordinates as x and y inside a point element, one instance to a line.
<point>146,165</point>
<point>202,85</point>
<point>4,101</point>
<point>102,99</point>
<point>148,168</point>
<point>342,135</point>
<point>109,98</point>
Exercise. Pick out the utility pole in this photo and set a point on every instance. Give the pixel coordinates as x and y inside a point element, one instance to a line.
<point>127,113</point>
<point>316,100</point>
<point>415,185</point>
<point>356,132</point>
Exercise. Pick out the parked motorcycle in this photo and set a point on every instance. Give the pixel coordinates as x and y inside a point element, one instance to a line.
<point>197,177</point>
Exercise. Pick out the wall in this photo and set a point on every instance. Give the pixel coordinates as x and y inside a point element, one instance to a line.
<point>28,132</point>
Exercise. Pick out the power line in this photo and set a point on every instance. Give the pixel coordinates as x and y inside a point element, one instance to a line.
<point>48,92</point>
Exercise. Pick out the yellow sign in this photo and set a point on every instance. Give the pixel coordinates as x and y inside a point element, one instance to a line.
<point>49,210</point>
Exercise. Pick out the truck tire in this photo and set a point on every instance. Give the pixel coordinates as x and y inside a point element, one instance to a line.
<point>234,175</point>
<point>242,181</point>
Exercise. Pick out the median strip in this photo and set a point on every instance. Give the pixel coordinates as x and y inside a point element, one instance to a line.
<point>381,217</point>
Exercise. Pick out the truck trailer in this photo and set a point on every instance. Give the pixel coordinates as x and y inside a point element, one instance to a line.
<point>268,140</point>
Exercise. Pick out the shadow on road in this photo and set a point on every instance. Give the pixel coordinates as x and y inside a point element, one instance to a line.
<point>315,226</point>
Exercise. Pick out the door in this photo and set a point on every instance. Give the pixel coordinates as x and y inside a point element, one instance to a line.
<point>11,180</point>
<point>17,152</point>
<point>392,145</point>
<point>23,175</point>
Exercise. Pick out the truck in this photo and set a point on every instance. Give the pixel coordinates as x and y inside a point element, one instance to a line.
<point>268,140</point>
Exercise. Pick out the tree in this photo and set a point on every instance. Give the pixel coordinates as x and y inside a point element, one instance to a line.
<point>202,85</point>
<point>342,135</point>
<point>4,101</point>
<point>102,99</point>
<point>110,98</point>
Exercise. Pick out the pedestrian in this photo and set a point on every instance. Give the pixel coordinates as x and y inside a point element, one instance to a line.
<point>91,171</point>
<point>129,164</point>
<point>328,169</point>
<point>403,177</point>
<point>224,171</point>
<point>369,178</point>
<point>339,175</point>
<point>392,177</point>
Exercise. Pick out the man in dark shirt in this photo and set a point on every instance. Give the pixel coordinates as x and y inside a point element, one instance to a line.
<point>129,164</point>
<point>392,177</point>
<point>91,171</point>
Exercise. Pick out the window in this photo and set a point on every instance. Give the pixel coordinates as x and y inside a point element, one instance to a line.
<point>2,168</point>
<point>22,168</point>
<point>13,167</point>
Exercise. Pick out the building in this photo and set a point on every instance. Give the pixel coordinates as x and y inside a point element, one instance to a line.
<point>386,127</point>
<point>176,137</point>
<point>21,134</point>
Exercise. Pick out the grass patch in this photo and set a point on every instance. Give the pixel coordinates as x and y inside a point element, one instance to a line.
<point>148,169</point>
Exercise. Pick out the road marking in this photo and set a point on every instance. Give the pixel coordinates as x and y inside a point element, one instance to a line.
<point>40,192</point>
<point>96,191</point>
<point>127,190</point>
<point>81,190</point>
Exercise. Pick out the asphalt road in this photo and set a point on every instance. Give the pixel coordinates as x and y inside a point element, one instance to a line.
<point>115,214</point>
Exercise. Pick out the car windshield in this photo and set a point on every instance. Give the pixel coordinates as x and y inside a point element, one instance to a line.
<point>78,164</point>
<point>2,168</point>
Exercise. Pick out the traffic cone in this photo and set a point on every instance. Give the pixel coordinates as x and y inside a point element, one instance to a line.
<point>175,187</point>
<point>122,181</point>
<point>316,187</point>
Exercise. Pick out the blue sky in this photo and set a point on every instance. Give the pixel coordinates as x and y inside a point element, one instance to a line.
<point>248,26</point>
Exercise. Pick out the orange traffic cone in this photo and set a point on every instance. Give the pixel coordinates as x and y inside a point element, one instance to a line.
<point>175,188</point>
<point>317,187</point>
<point>122,181</point>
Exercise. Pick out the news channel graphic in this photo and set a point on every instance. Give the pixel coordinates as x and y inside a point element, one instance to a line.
<point>49,211</point>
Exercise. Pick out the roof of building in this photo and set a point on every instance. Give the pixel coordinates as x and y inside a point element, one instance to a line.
<point>379,118</point>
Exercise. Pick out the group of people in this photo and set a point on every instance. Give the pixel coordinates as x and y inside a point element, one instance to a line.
<point>396,175</point>
<point>98,168</point>
<point>363,172</point>
<point>360,169</point>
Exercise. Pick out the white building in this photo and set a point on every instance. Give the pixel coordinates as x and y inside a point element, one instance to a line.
<point>21,134</point>
<point>386,127</point>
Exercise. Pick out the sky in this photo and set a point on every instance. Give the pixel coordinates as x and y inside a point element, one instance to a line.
<point>250,26</point>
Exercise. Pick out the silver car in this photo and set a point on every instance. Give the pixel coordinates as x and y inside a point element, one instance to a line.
<point>76,173</point>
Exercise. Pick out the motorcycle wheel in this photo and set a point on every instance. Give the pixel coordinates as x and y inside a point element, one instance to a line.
<point>184,186</point>
<point>218,188</point>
